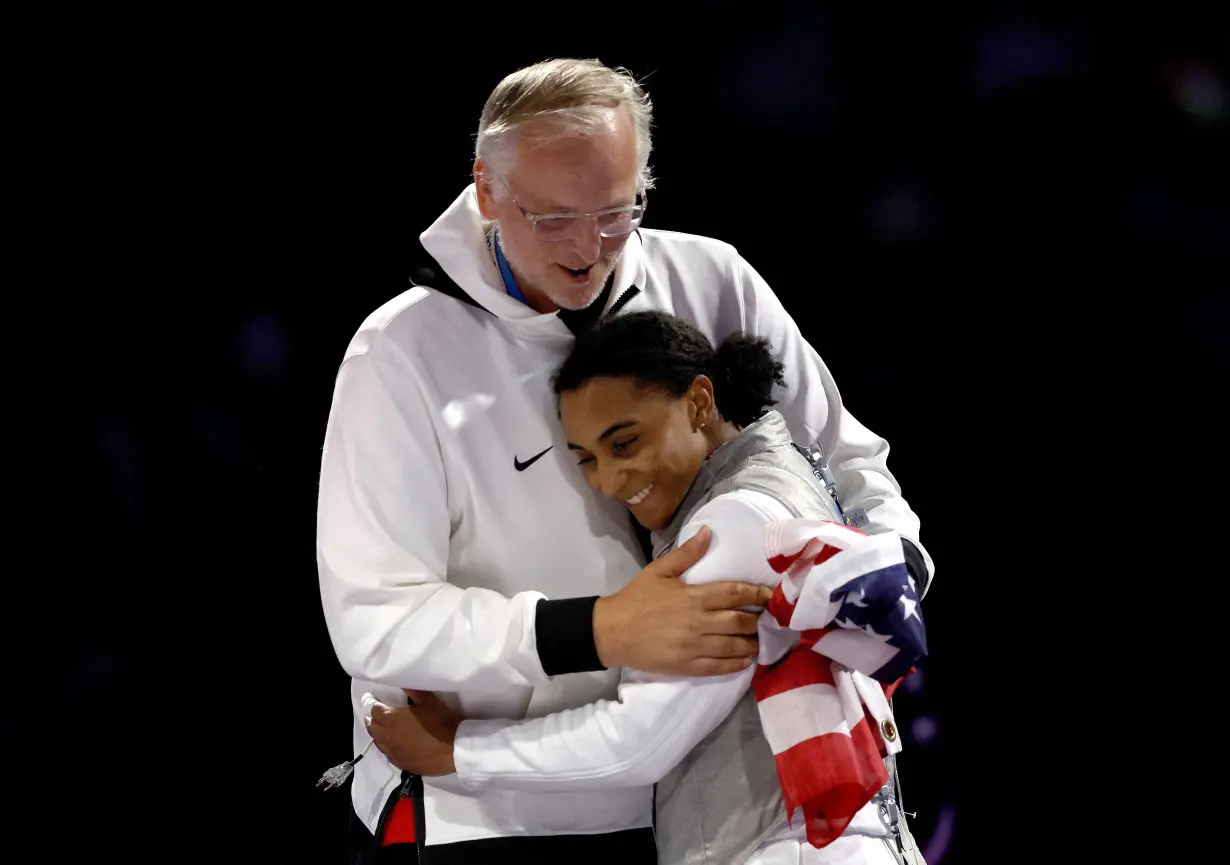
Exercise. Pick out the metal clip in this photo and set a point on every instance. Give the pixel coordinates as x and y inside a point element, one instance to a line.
<point>820,468</point>
<point>890,814</point>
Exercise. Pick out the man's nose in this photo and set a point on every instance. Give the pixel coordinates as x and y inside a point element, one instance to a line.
<point>587,241</point>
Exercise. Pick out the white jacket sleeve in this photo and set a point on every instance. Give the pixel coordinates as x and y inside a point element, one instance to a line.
<point>382,537</point>
<point>814,412</point>
<point>637,739</point>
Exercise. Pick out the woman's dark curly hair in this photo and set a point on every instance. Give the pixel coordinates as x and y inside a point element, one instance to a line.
<point>658,349</point>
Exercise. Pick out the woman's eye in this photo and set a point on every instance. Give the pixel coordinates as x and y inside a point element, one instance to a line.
<point>620,447</point>
<point>583,460</point>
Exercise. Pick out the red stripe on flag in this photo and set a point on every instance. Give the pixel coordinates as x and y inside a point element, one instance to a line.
<point>796,669</point>
<point>799,558</point>
<point>825,554</point>
<point>779,608</point>
<point>781,564</point>
<point>813,553</point>
<point>830,778</point>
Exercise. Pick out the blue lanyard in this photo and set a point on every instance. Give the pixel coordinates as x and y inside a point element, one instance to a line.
<point>510,282</point>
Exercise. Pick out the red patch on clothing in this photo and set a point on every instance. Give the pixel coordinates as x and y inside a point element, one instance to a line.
<point>400,826</point>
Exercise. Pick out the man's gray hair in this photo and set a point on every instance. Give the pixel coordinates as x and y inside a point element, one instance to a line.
<point>577,95</point>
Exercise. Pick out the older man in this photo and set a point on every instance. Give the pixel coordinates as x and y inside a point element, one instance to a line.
<point>459,549</point>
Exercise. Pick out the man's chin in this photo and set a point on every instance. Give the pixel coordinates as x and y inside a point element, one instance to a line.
<point>576,297</point>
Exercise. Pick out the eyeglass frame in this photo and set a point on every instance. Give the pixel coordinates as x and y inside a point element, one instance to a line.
<point>534,218</point>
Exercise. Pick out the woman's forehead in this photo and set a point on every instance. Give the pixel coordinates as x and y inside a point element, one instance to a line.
<point>601,399</point>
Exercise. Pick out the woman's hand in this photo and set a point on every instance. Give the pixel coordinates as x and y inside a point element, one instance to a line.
<point>417,738</point>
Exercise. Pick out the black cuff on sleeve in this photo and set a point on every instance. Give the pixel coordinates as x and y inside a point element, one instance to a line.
<point>913,563</point>
<point>565,634</point>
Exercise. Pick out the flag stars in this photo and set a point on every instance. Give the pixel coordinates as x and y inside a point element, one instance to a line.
<point>909,607</point>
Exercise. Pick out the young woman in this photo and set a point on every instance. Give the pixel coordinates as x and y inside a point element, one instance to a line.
<point>684,435</point>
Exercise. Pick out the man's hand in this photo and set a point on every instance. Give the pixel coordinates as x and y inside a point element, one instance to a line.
<point>417,738</point>
<point>659,624</point>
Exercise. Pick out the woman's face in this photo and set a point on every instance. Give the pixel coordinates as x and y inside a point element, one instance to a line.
<point>638,443</point>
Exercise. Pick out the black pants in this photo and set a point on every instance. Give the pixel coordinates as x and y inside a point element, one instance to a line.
<point>631,847</point>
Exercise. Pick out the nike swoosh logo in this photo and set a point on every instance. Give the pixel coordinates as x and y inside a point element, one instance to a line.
<point>522,466</point>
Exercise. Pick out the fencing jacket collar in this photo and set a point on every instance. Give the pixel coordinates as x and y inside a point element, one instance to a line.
<point>459,264</point>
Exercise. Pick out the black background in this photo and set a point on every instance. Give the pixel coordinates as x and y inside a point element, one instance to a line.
<point>1005,231</point>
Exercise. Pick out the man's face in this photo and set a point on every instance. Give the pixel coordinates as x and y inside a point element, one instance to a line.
<point>556,174</point>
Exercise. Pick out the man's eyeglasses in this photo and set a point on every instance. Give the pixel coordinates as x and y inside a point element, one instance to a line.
<point>553,227</point>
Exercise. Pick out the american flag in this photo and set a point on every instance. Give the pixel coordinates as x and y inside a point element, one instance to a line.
<point>843,628</point>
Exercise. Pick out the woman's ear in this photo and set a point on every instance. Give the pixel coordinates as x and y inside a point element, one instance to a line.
<point>702,408</point>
